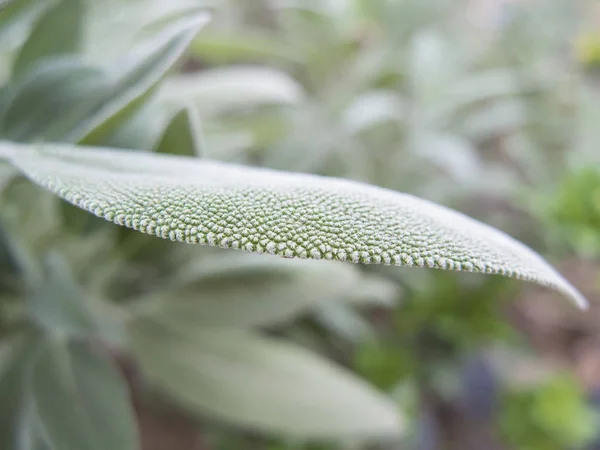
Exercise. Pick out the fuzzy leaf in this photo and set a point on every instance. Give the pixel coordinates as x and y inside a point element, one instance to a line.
<point>57,32</point>
<point>53,99</point>
<point>267,211</point>
<point>81,400</point>
<point>262,384</point>
<point>235,289</point>
<point>137,77</point>
<point>183,135</point>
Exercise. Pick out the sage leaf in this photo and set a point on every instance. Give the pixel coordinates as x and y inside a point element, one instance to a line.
<point>81,400</point>
<point>182,135</point>
<point>266,211</point>
<point>243,289</point>
<point>57,32</point>
<point>261,384</point>
<point>137,76</point>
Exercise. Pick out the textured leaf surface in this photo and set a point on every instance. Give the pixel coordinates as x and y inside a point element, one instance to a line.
<point>266,211</point>
<point>262,384</point>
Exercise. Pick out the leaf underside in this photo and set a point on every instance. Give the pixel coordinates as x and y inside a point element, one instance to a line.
<point>288,214</point>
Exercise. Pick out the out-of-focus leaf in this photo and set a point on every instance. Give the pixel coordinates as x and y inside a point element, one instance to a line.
<point>81,400</point>
<point>57,32</point>
<point>16,359</point>
<point>497,119</point>
<point>183,135</point>
<point>7,174</point>
<point>266,211</point>
<point>60,305</point>
<point>372,109</point>
<point>136,78</point>
<point>219,90</point>
<point>53,99</point>
<point>18,12</point>
<point>342,320</point>
<point>242,290</point>
<point>261,384</point>
<point>453,155</point>
<point>219,48</point>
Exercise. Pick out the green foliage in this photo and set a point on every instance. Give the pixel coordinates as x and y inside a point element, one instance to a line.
<point>552,415</point>
<point>139,119</point>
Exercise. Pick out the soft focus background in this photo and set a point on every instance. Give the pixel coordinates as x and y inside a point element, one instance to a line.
<point>491,107</point>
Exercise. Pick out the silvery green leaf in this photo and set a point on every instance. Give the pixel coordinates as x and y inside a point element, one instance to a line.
<point>267,211</point>
<point>16,359</point>
<point>81,400</point>
<point>52,99</point>
<point>261,384</point>
<point>234,289</point>
<point>223,89</point>
<point>137,76</point>
<point>57,32</point>
<point>219,47</point>
<point>7,174</point>
<point>59,305</point>
<point>182,135</point>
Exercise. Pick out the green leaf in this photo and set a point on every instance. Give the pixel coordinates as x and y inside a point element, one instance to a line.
<point>57,32</point>
<point>81,400</point>
<point>220,48</point>
<point>287,214</point>
<point>261,384</point>
<point>183,135</point>
<point>53,99</point>
<point>58,303</point>
<point>16,359</point>
<point>224,89</point>
<point>137,77</point>
<point>234,289</point>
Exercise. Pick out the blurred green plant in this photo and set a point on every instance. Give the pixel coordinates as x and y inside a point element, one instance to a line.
<point>377,91</point>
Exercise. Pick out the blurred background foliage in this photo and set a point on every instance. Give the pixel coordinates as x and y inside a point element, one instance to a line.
<point>114,339</point>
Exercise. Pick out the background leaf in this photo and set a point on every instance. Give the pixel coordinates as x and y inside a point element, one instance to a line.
<point>240,290</point>
<point>261,384</point>
<point>45,40</point>
<point>81,400</point>
<point>137,76</point>
<point>183,135</point>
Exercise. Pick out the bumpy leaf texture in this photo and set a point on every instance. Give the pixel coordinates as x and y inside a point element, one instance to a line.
<point>266,211</point>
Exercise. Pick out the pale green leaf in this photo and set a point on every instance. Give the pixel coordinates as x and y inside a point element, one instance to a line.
<point>218,48</point>
<point>16,357</point>
<point>261,384</point>
<point>223,89</point>
<point>137,77</point>
<point>237,289</point>
<point>81,400</point>
<point>57,32</point>
<point>182,135</point>
<point>53,99</point>
<point>60,305</point>
<point>267,211</point>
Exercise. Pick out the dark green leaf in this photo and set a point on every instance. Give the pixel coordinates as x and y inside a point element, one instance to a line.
<point>183,135</point>
<point>15,365</point>
<point>57,32</point>
<point>53,99</point>
<point>60,305</point>
<point>81,400</point>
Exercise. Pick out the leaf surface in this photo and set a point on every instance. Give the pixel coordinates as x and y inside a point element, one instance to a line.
<point>81,400</point>
<point>262,384</point>
<point>267,211</point>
